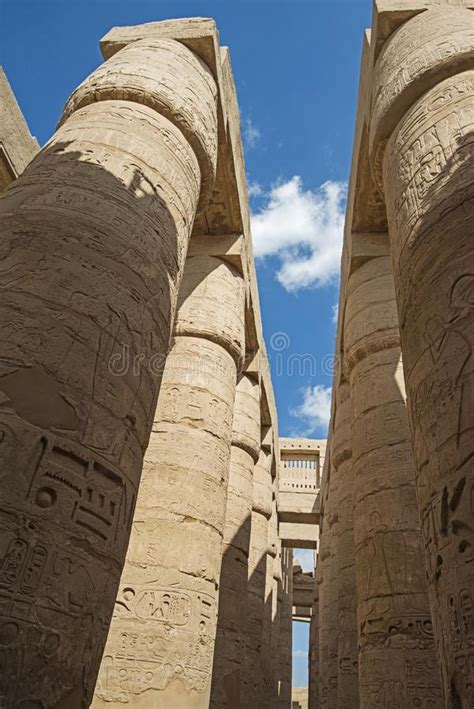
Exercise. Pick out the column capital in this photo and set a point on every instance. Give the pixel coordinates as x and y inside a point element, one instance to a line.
<point>431,46</point>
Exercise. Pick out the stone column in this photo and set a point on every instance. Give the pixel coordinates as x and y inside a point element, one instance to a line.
<point>325,590</point>
<point>161,642</point>
<point>397,661</point>
<point>422,137</point>
<point>229,660</point>
<point>286,629</point>
<point>268,607</point>
<point>258,647</point>
<point>274,579</point>
<point>313,688</point>
<point>94,237</point>
<point>345,591</point>
<point>332,601</point>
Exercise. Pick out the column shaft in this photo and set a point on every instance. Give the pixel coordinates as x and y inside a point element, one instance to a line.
<point>345,591</point>
<point>166,609</point>
<point>314,657</point>
<point>424,163</point>
<point>286,629</point>
<point>396,651</point>
<point>94,236</point>
<point>229,662</point>
<point>275,552</point>
<point>325,590</point>
<point>257,649</point>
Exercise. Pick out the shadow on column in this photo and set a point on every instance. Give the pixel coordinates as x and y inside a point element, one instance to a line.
<point>238,691</point>
<point>86,260</point>
<point>435,283</point>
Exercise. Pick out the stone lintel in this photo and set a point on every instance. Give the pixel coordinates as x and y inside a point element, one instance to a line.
<point>366,247</point>
<point>301,536</point>
<point>267,438</point>
<point>301,613</point>
<point>17,146</point>
<point>228,247</point>
<point>302,444</point>
<point>252,365</point>
<point>298,507</point>
<point>199,34</point>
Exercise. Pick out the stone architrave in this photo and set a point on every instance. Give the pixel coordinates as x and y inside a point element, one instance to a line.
<point>397,661</point>
<point>229,658</point>
<point>160,646</point>
<point>422,127</point>
<point>257,653</point>
<point>17,146</point>
<point>94,238</point>
<point>343,540</point>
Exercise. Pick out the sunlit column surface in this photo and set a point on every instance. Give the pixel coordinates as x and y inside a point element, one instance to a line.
<point>94,237</point>
<point>397,661</point>
<point>160,647</point>
<point>422,155</point>
<point>229,660</point>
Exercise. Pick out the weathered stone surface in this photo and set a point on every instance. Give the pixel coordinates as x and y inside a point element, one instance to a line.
<point>229,661</point>
<point>396,650</point>
<point>94,236</point>
<point>17,146</point>
<point>168,589</point>
<point>344,589</point>
<point>273,585</point>
<point>286,630</point>
<point>325,589</point>
<point>257,682</point>
<point>314,651</point>
<point>426,170</point>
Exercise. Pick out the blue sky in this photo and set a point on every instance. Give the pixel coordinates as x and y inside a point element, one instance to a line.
<point>296,65</point>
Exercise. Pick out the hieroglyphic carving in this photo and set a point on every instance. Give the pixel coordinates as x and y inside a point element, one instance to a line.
<point>394,620</point>
<point>150,654</point>
<point>94,237</point>
<point>426,183</point>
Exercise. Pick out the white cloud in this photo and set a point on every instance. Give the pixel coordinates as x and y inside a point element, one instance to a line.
<point>251,133</point>
<point>304,229</point>
<point>254,189</point>
<point>315,409</point>
<point>304,557</point>
<point>300,653</point>
<point>335,313</point>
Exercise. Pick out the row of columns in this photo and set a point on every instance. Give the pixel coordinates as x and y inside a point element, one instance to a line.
<point>122,350</point>
<point>401,446</point>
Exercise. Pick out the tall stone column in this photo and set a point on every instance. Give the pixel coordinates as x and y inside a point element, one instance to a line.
<point>94,237</point>
<point>397,661</point>
<point>325,591</point>
<point>258,647</point>
<point>286,629</point>
<point>345,590</point>
<point>229,659</point>
<point>160,646</point>
<point>313,685</point>
<point>272,533</point>
<point>275,595</point>
<point>332,599</point>
<point>422,154</point>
